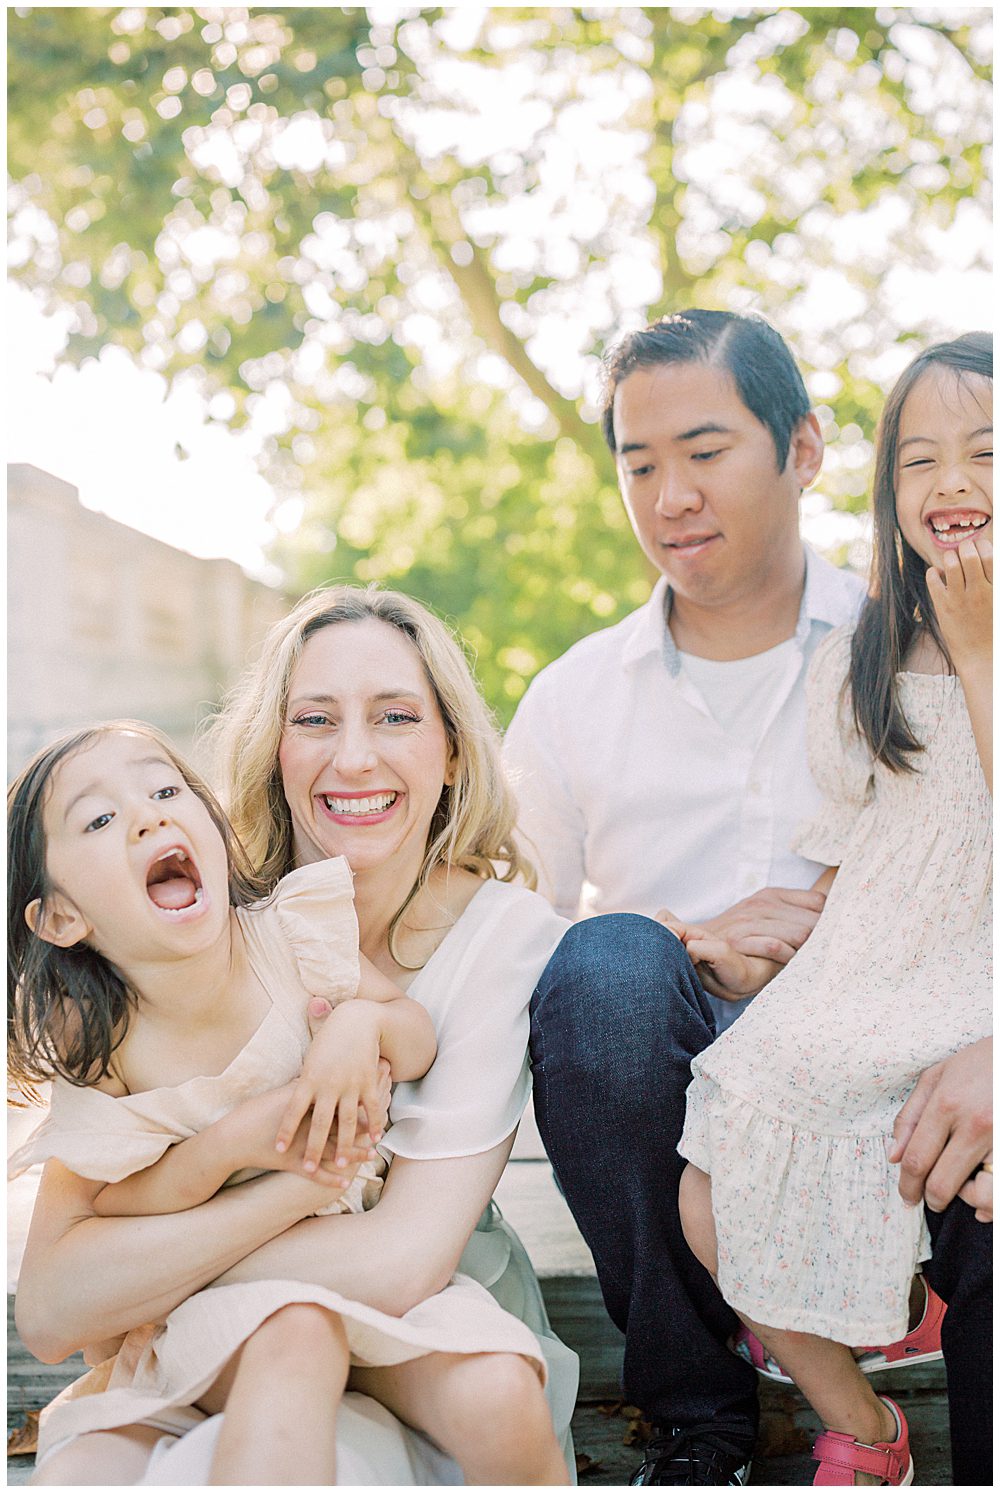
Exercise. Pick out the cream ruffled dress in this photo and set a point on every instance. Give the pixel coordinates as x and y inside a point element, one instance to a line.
<point>302,942</point>
<point>791,1110</point>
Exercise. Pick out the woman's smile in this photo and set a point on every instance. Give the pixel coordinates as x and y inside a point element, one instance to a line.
<point>360,809</point>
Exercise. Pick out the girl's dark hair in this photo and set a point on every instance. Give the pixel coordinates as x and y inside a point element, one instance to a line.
<point>899,604</point>
<point>68,1009</point>
<point>746,347</point>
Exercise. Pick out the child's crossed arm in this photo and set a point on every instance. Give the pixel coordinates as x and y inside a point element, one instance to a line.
<point>345,1077</point>
<point>192,1171</point>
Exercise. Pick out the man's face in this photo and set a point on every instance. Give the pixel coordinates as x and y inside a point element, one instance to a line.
<point>700,480</point>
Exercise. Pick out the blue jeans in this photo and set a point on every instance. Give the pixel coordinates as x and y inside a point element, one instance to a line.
<point>616,1019</point>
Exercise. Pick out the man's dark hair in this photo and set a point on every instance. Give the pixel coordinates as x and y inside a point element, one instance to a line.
<point>746,347</point>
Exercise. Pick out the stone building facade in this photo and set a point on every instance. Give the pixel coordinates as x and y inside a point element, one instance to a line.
<point>103,621</point>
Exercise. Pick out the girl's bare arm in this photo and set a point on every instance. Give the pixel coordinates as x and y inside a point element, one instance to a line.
<point>962,596</point>
<point>193,1170</point>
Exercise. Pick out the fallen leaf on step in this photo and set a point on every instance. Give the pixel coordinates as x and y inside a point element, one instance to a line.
<point>639,1429</point>
<point>585,1464</point>
<point>23,1440</point>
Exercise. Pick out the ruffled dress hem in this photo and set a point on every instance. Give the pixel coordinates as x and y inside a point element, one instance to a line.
<point>851,1225</point>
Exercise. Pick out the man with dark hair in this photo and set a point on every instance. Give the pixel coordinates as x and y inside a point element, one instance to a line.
<point>661,764</point>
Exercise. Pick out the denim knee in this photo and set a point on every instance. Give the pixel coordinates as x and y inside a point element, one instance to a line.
<point>619,997</point>
<point>620,959</point>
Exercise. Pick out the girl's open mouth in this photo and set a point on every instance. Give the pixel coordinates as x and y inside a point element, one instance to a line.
<point>173,883</point>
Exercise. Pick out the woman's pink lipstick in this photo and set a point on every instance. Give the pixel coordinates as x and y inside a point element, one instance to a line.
<point>373,807</point>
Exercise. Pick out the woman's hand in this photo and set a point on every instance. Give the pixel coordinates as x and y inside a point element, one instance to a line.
<point>961,591</point>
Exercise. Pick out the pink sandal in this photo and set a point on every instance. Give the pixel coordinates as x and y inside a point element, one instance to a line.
<point>840,1456</point>
<point>922,1345</point>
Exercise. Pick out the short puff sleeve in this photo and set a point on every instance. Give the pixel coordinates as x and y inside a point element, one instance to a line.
<point>314,909</point>
<point>476,988</point>
<point>102,1137</point>
<point>839,759</point>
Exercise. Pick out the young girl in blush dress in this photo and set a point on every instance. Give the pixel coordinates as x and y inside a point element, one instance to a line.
<point>791,1195</point>
<point>169,1009</point>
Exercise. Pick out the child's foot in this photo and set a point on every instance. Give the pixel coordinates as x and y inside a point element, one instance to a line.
<point>844,1461</point>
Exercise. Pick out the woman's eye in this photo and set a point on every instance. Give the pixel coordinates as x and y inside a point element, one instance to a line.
<point>639,471</point>
<point>170,792</point>
<point>706,455</point>
<point>400,718</point>
<point>98,823</point>
<point>920,461</point>
<point>983,455</point>
<point>314,718</point>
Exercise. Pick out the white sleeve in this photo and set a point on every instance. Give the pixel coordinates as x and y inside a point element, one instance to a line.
<point>473,1095</point>
<point>550,825</point>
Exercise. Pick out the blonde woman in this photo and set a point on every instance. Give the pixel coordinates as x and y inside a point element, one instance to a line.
<point>359,732</point>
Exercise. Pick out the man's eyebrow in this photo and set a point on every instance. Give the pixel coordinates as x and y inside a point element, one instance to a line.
<point>929,440</point>
<point>711,427</point>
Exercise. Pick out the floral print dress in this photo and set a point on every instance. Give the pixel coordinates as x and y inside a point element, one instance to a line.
<point>791,1110</point>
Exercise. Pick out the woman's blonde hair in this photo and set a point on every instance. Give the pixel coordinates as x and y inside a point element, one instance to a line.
<point>473,824</point>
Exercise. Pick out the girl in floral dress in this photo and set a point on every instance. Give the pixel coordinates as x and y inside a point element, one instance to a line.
<point>791,1195</point>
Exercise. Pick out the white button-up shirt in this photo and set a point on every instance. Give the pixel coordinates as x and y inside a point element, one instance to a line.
<point>632,796</point>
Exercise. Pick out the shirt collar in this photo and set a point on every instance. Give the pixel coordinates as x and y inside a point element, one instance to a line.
<point>823,597</point>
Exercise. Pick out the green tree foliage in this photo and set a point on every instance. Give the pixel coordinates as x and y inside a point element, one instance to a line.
<point>399,245</point>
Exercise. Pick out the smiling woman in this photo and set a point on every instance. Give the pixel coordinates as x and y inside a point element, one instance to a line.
<point>360,693</point>
<point>357,748</point>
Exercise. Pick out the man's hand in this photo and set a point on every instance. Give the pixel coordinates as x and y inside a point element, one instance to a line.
<point>722,971</point>
<point>978,1193</point>
<point>944,1132</point>
<point>772,924</point>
